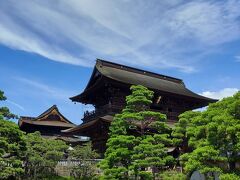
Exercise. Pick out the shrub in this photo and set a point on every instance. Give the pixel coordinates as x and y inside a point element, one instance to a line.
<point>172,175</point>
<point>229,176</point>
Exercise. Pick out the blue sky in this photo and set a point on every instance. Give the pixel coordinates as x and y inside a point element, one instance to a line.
<point>48,48</point>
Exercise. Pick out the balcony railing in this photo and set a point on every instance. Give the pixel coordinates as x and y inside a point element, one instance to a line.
<point>107,109</point>
<point>72,162</point>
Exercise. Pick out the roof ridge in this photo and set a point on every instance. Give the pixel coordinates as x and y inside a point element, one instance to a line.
<point>49,109</point>
<point>165,77</point>
<point>30,117</point>
<point>52,108</point>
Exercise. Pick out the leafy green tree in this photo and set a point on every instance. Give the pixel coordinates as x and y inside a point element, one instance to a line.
<point>224,128</point>
<point>12,145</point>
<point>203,158</point>
<point>42,155</point>
<point>213,137</point>
<point>86,168</point>
<point>227,176</point>
<point>126,154</point>
<point>172,175</point>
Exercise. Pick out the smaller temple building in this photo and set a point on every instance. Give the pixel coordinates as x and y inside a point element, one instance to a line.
<point>50,124</point>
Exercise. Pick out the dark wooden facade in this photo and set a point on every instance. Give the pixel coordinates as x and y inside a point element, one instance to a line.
<point>50,124</point>
<point>108,87</point>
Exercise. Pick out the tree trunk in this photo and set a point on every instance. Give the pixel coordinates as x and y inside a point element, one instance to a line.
<point>153,173</point>
<point>232,166</point>
<point>35,173</point>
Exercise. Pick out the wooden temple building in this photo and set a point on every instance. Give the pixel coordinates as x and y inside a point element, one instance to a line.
<point>50,124</point>
<point>109,85</point>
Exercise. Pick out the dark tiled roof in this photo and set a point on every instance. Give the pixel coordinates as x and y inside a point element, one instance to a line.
<point>106,118</point>
<point>42,119</point>
<point>49,110</point>
<point>45,123</point>
<point>129,75</point>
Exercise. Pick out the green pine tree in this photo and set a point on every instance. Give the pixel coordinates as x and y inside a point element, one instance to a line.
<point>12,145</point>
<point>119,151</point>
<point>138,156</point>
<point>150,154</point>
<point>179,134</point>
<point>4,111</point>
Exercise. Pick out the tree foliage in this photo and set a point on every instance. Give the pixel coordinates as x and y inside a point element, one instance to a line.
<point>4,111</point>
<point>211,137</point>
<point>129,155</point>
<point>42,155</point>
<point>119,151</point>
<point>12,145</point>
<point>172,175</point>
<point>229,176</point>
<point>12,149</point>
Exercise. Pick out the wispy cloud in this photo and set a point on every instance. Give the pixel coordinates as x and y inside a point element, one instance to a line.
<point>43,89</point>
<point>15,104</point>
<point>237,58</point>
<point>226,92</point>
<point>166,34</point>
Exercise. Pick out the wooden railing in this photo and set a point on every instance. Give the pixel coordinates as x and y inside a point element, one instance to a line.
<point>113,109</point>
<point>103,110</point>
<point>72,162</point>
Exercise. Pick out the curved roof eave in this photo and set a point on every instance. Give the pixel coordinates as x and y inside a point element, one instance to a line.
<point>128,75</point>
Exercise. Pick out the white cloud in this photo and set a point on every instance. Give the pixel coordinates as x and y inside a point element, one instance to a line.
<point>226,92</point>
<point>162,34</point>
